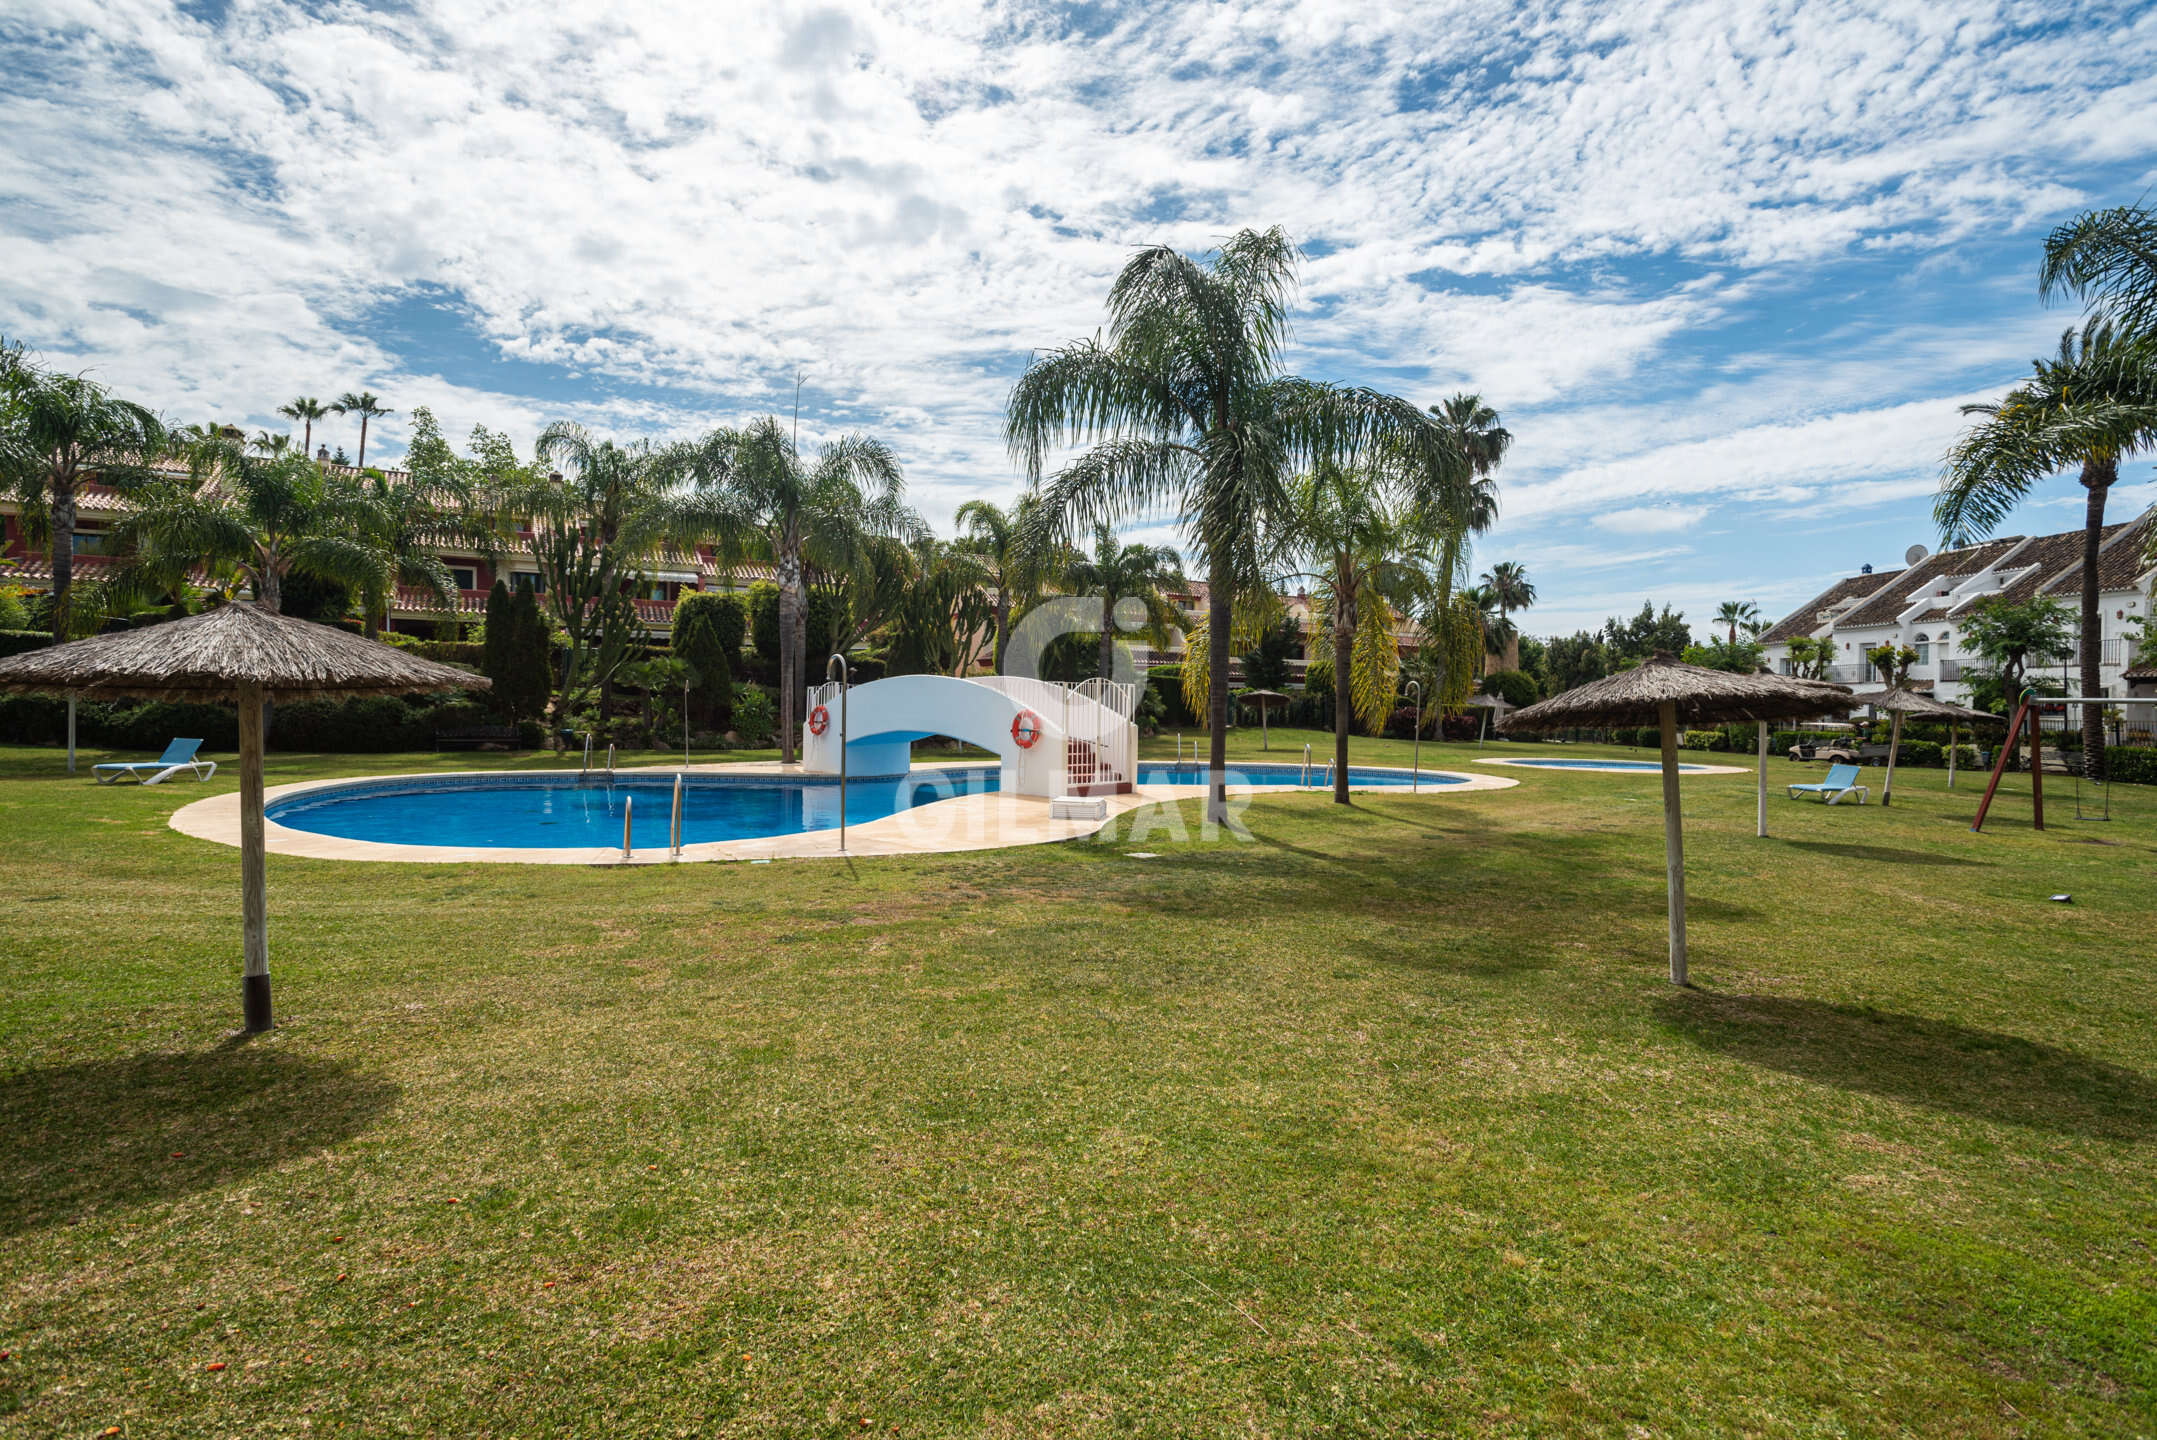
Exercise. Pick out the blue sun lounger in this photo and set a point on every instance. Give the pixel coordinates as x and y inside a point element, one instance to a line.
<point>1841,783</point>
<point>178,756</point>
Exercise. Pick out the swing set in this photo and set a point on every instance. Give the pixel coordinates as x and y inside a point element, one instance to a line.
<point>2027,711</point>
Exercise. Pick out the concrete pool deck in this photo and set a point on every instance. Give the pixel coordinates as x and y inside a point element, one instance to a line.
<point>1560,765</point>
<point>965,822</point>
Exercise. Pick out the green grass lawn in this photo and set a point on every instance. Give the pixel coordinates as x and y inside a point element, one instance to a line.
<point>1385,1122</point>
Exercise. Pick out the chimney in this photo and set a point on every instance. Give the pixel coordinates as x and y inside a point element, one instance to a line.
<point>322,454</point>
<point>1864,569</point>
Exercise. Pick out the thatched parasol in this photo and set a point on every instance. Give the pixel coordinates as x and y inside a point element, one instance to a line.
<point>1900,701</point>
<point>1266,700</point>
<point>246,654</point>
<point>1667,691</point>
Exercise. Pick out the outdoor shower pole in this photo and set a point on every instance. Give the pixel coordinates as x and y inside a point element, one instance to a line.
<point>840,661</point>
<point>1415,765</point>
<point>71,734</point>
<point>1762,829</point>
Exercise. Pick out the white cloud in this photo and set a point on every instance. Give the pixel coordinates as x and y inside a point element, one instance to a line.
<point>1586,212</point>
<point>1651,519</point>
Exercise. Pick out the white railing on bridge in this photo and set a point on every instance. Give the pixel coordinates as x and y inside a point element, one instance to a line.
<point>1095,716</point>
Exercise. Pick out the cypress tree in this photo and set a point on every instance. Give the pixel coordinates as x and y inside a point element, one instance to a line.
<point>494,653</point>
<point>528,664</point>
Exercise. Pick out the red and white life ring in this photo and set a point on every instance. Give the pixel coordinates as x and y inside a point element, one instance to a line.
<point>1025,729</point>
<point>819,720</point>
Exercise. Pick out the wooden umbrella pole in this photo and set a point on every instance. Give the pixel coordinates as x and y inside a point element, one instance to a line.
<point>1894,743</point>
<point>1951,748</point>
<point>1761,825</point>
<point>1673,840</point>
<point>2037,768</point>
<point>254,908</point>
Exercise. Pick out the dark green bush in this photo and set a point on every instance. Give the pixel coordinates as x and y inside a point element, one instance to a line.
<point>864,668</point>
<point>2132,765</point>
<point>755,716</point>
<point>1515,687</point>
<point>1922,753</point>
<point>18,642</point>
<point>1700,740</point>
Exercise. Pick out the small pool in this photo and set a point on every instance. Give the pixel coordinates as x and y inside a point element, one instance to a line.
<point>1153,772</point>
<point>1654,765</point>
<point>566,812</point>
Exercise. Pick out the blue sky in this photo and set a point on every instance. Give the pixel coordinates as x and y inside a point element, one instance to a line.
<point>1726,271</point>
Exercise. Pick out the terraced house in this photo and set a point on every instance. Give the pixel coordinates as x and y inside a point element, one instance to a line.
<point>26,561</point>
<point>1923,605</point>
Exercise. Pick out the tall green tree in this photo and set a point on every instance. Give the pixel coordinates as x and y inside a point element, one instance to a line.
<point>1733,613</point>
<point>1354,548</point>
<point>2086,409</point>
<point>249,520</point>
<point>363,404</point>
<point>768,500</point>
<point>2108,259</point>
<point>304,410</point>
<point>708,630</point>
<point>1117,571</point>
<point>1016,569</point>
<point>597,516</point>
<point>528,659</point>
<point>445,502</point>
<point>494,650</point>
<point>1183,407</point>
<point>1511,590</point>
<point>56,432</point>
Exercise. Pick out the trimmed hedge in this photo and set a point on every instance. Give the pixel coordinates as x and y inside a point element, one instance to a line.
<point>372,725</point>
<point>2132,764</point>
<point>21,642</point>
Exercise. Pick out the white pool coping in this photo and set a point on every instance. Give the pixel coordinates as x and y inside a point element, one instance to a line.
<point>1686,768</point>
<point>993,821</point>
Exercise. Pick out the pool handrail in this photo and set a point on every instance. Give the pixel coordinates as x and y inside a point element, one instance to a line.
<point>840,661</point>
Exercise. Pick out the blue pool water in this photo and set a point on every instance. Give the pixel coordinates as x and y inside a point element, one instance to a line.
<point>550,812</point>
<point>556,812</point>
<point>1157,773</point>
<point>1604,765</point>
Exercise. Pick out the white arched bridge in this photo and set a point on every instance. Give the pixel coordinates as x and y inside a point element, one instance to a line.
<point>1052,739</point>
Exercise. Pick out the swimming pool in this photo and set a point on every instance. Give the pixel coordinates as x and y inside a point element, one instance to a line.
<point>562,812</point>
<point>1244,773</point>
<point>1650,765</point>
<point>571,812</point>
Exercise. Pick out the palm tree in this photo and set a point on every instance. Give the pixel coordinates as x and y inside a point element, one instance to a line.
<point>1145,573</point>
<point>1015,569</point>
<point>1358,555</point>
<point>1183,405</point>
<point>766,498</point>
<point>363,404</point>
<point>1511,588</point>
<point>251,521</point>
<point>1475,428</point>
<point>56,431</point>
<point>306,410</point>
<point>593,527</point>
<point>439,505</point>
<point>2090,406</point>
<point>2109,257</point>
<point>273,446</point>
<point>1734,613</point>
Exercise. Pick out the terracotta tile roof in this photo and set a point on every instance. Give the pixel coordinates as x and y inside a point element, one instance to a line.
<point>1807,617</point>
<point>1935,572</point>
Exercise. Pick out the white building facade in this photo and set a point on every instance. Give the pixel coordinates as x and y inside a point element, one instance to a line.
<point>1923,605</point>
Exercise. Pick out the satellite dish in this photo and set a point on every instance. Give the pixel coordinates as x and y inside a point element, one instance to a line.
<point>1914,554</point>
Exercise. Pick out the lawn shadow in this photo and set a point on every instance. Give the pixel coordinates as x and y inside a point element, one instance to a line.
<point>1885,853</point>
<point>1978,1073</point>
<point>80,1138</point>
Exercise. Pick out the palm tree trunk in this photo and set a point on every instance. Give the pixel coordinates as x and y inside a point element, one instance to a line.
<point>790,608</point>
<point>63,552</point>
<point>1108,636</point>
<point>307,442</point>
<point>1344,709</point>
<point>2097,478</point>
<point>1218,598</point>
<point>1003,625</point>
<point>363,444</point>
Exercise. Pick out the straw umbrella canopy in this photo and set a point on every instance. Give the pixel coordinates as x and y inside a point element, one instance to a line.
<point>1486,704</point>
<point>1265,700</point>
<point>1899,701</point>
<point>1671,694</point>
<point>243,653</point>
